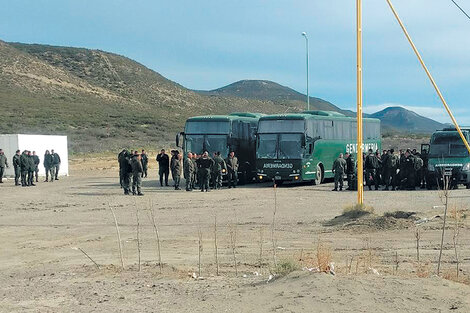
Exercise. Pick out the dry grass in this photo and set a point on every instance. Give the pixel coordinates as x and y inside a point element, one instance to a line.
<point>284,267</point>
<point>357,210</point>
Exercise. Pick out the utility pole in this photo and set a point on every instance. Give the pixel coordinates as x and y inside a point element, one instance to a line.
<point>360,165</point>
<point>306,49</point>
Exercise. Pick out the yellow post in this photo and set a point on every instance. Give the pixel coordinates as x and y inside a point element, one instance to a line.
<point>360,167</point>
<point>430,76</point>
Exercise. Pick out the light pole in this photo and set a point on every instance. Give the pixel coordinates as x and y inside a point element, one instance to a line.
<point>306,51</point>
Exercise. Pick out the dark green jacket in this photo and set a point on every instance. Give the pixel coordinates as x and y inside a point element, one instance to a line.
<point>219,164</point>
<point>48,160</point>
<point>31,165</point>
<point>24,162</point>
<point>17,161</point>
<point>339,166</point>
<point>55,159</point>
<point>3,160</point>
<point>136,166</point>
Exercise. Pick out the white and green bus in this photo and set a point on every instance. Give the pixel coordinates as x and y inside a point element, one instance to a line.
<point>303,146</point>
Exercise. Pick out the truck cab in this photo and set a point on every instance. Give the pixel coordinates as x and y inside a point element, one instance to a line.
<point>448,156</point>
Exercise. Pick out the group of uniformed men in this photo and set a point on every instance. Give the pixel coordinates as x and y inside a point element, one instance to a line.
<point>403,171</point>
<point>198,170</point>
<point>26,166</point>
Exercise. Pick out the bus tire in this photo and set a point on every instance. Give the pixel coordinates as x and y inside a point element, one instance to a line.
<point>468,186</point>
<point>319,176</point>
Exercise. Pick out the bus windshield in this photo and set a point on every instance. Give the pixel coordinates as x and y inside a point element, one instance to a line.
<point>279,146</point>
<point>447,144</point>
<point>210,143</point>
<point>290,146</point>
<point>207,127</point>
<point>267,146</point>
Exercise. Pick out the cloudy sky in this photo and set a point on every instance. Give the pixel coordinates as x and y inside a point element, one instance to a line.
<point>208,44</point>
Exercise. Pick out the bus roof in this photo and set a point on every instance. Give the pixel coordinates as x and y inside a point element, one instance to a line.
<point>308,115</point>
<point>237,116</point>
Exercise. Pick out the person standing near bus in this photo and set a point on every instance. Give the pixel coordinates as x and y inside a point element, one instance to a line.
<point>372,167</point>
<point>232,170</point>
<point>175,166</point>
<point>204,167</point>
<point>163,167</point>
<point>350,170</point>
<point>339,167</point>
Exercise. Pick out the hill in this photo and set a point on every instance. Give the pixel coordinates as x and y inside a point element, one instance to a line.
<point>101,100</point>
<point>403,120</point>
<point>270,91</point>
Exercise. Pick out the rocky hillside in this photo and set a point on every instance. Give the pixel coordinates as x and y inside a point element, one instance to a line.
<point>102,101</point>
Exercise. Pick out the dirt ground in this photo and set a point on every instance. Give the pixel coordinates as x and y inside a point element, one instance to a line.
<point>43,228</point>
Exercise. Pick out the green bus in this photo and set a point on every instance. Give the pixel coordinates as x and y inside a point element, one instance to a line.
<point>224,133</point>
<point>303,146</point>
<point>448,156</point>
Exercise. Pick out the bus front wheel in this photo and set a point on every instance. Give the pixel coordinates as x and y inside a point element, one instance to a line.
<point>319,175</point>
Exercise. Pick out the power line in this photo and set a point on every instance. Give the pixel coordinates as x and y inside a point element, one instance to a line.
<point>460,8</point>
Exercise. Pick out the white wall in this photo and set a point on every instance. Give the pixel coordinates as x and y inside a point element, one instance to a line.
<point>9,144</point>
<point>41,143</point>
<point>38,143</point>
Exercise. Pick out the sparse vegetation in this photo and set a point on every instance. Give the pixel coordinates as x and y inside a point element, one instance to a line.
<point>285,267</point>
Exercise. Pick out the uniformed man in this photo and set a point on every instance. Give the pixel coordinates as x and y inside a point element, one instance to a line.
<point>339,167</point>
<point>31,168</point>
<point>204,167</point>
<point>145,161</point>
<point>232,170</point>
<point>36,165</point>
<point>55,163</point>
<point>219,168</point>
<point>390,169</point>
<point>3,165</point>
<point>194,180</point>
<point>24,168</point>
<point>137,169</point>
<point>120,155</point>
<point>48,165</point>
<point>17,167</point>
<point>408,169</point>
<point>126,170</point>
<point>188,171</point>
<point>371,166</point>
<point>350,170</point>
<point>163,166</point>
<point>175,166</point>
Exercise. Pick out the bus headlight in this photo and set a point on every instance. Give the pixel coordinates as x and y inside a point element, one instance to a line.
<point>260,177</point>
<point>466,167</point>
<point>431,167</point>
<point>224,170</point>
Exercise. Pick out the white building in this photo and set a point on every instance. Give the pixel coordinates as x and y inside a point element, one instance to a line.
<point>38,143</point>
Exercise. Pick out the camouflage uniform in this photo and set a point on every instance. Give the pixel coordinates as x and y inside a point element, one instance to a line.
<point>137,170</point>
<point>188,173</point>
<point>339,167</point>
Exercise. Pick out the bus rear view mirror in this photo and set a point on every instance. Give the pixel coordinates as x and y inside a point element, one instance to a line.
<point>178,135</point>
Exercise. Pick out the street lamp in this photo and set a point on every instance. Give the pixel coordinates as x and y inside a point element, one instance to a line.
<point>306,52</point>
